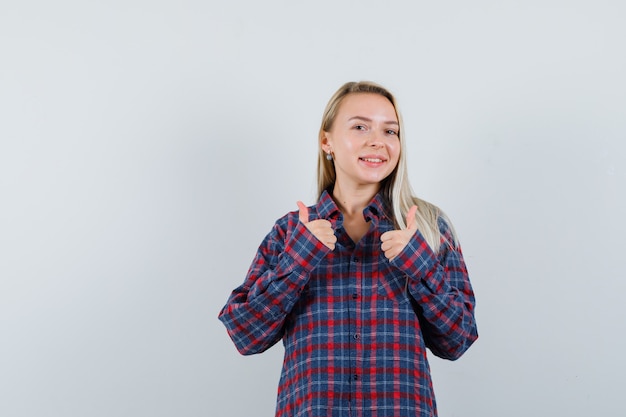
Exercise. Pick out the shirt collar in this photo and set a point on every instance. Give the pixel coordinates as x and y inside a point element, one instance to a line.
<point>326,206</point>
<point>375,211</point>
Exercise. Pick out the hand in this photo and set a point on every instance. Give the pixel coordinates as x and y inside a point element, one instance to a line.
<point>321,228</point>
<point>394,241</point>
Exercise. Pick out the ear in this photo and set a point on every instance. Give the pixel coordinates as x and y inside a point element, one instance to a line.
<point>326,142</point>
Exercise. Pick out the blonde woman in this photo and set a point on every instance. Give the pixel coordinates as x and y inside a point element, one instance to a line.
<point>358,285</point>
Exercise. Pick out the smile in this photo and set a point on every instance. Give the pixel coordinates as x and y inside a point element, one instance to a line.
<point>374,160</point>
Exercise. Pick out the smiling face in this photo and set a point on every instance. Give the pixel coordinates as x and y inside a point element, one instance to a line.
<point>363,140</point>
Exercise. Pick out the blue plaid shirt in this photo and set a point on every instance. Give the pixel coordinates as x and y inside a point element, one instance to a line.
<point>355,326</point>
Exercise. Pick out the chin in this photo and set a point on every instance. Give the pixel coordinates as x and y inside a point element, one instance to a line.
<point>373,181</point>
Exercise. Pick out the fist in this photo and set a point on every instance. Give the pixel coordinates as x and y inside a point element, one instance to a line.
<point>394,241</point>
<point>321,228</point>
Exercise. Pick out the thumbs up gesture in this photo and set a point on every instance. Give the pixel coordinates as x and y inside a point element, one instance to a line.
<point>394,241</point>
<point>321,228</point>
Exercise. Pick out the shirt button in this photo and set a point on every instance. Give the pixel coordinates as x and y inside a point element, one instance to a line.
<point>356,336</point>
<point>355,377</point>
<point>355,296</point>
<point>355,260</point>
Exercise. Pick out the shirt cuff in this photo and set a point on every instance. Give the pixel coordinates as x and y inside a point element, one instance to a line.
<point>419,262</point>
<point>303,251</point>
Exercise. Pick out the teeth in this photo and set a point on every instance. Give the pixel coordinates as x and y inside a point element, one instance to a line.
<point>372,159</point>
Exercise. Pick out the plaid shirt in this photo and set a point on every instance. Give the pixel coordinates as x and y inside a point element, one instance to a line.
<point>355,326</point>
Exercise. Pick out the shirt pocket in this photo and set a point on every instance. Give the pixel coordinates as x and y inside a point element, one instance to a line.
<point>394,288</point>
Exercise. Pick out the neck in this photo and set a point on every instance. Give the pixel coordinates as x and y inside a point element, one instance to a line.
<point>352,201</point>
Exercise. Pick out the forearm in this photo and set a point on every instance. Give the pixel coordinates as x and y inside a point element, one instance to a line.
<point>448,325</point>
<point>254,317</point>
<point>442,294</point>
<point>255,313</point>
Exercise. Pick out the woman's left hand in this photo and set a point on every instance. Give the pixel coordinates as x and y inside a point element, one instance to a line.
<point>394,241</point>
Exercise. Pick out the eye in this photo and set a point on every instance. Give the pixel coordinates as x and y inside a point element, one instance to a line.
<point>392,132</point>
<point>359,127</point>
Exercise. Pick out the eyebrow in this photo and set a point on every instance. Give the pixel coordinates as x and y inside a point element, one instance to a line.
<point>366,119</point>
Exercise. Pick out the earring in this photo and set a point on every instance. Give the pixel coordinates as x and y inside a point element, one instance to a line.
<point>329,157</point>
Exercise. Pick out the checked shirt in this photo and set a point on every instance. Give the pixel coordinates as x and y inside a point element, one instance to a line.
<point>355,326</point>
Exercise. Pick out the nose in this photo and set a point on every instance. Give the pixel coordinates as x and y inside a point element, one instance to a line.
<point>375,140</point>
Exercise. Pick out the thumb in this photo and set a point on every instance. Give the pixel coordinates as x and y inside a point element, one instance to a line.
<point>303,212</point>
<point>410,218</point>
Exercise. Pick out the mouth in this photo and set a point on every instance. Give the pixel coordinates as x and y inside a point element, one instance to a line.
<point>373,160</point>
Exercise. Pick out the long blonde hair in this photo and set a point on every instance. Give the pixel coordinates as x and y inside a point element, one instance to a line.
<point>395,189</point>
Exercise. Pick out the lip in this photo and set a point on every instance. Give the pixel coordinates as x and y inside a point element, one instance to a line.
<point>372,160</point>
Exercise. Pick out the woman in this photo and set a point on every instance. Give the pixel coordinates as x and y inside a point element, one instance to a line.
<point>356,292</point>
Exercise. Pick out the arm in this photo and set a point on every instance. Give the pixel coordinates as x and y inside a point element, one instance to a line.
<point>442,293</point>
<point>255,312</point>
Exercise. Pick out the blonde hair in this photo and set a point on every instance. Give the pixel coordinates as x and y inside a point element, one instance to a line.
<point>395,189</point>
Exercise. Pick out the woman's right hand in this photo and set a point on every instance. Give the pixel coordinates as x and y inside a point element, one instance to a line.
<point>321,228</point>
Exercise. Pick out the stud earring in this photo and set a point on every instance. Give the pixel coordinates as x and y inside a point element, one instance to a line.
<point>329,157</point>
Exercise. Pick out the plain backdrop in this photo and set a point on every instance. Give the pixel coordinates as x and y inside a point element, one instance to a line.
<point>147,147</point>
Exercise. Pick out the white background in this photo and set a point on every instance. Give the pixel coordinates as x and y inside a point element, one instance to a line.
<point>148,146</point>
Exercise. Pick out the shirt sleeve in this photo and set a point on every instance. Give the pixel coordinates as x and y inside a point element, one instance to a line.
<point>443,297</point>
<point>255,312</point>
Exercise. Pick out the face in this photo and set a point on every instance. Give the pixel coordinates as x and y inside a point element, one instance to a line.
<point>363,140</point>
